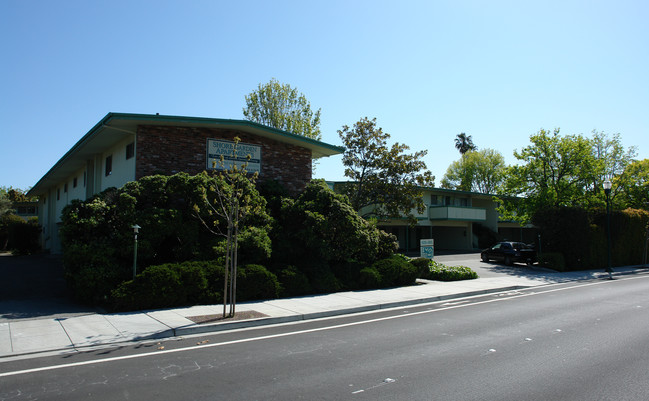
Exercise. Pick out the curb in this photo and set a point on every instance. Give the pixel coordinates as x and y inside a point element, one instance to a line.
<point>220,327</point>
<point>172,332</point>
<point>215,328</point>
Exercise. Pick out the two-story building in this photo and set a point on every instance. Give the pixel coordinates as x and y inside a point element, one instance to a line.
<point>452,219</point>
<point>125,147</point>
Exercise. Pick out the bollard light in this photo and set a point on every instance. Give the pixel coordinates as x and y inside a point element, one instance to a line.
<point>136,230</point>
<point>607,190</point>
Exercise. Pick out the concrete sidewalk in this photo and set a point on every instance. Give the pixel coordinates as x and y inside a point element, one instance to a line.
<point>23,337</point>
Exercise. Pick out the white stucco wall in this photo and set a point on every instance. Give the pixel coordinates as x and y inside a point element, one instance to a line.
<point>88,183</point>
<point>123,170</point>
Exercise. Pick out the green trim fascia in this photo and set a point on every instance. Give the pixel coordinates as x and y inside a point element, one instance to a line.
<point>219,121</point>
<point>104,123</point>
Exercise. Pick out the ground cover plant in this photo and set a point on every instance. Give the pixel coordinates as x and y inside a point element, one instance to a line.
<point>434,270</point>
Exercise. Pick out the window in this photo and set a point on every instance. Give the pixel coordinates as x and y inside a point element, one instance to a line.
<point>130,150</point>
<point>447,201</point>
<point>74,182</point>
<point>65,187</point>
<point>109,165</point>
<point>84,179</point>
<point>58,193</point>
<point>433,199</point>
<point>463,202</point>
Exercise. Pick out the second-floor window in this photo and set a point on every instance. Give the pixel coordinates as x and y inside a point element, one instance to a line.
<point>109,165</point>
<point>130,150</point>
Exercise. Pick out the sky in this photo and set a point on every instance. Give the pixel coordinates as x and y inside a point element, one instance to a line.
<point>426,70</point>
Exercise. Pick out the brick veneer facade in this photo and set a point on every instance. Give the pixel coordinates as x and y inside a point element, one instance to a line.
<point>170,150</point>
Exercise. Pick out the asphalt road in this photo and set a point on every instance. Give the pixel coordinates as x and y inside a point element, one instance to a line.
<point>572,341</point>
<point>490,269</point>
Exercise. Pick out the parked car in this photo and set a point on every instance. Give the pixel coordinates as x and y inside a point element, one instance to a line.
<point>509,253</point>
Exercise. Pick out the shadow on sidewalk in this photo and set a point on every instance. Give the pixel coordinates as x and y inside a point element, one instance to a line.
<point>33,286</point>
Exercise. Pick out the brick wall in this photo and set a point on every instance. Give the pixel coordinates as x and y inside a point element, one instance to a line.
<point>170,150</point>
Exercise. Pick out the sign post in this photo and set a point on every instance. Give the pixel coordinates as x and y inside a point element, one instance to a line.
<point>427,247</point>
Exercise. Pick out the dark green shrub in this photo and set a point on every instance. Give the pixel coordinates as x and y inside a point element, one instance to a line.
<point>553,260</point>
<point>157,287</point>
<point>170,285</point>
<point>18,235</point>
<point>320,226</point>
<point>166,209</point>
<point>91,273</point>
<point>293,282</point>
<point>256,282</point>
<point>194,282</point>
<point>441,272</point>
<point>565,230</point>
<point>369,278</point>
<point>214,274</point>
<point>347,274</point>
<point>395,271</point>
<point>322,279</point>
<point>255,246</point>
<point>423,266</point>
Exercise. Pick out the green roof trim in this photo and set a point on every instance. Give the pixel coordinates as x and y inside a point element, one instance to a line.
<point>130,120</point>
<point>177,120</point>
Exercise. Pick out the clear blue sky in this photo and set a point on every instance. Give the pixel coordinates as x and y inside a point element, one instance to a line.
<point>427,70</point>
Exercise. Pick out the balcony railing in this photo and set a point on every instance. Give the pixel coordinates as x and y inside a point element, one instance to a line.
<point>461,213</point>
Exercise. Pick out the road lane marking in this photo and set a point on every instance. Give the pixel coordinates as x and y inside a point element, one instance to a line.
<point>307,331</point>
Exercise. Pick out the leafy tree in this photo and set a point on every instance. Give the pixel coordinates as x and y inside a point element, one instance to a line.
<point>464,143</point>
<point>283,107</point>
<point>18,195</point>
<point>554,171</point>
<point>476,171</point>
<point>613,160</point>
<point>633,185</point>
<point>386,181</point>
<point>5,202</point>
<point>323,236</point>
<point>228,204</point>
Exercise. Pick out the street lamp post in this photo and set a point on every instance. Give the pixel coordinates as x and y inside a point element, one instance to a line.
<point>607,190</point>
<point>136,230</point>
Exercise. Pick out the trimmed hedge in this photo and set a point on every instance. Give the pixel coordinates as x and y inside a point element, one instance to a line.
<point>580,237</point>
<point>190,283</point>
<point>395,271</point>
<point>441,272</point>
<point>255,282</point>
<point>18,235</point>
<point>553,260</point>
<point>293,282</point>
<point>314,243</point>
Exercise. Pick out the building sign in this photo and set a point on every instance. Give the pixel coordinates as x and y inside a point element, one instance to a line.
<point>427,247</point>
<point>218,147</point>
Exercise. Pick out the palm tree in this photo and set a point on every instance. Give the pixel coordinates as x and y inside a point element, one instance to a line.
<point>464,143</point>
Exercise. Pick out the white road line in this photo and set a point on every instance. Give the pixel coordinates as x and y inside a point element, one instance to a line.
<point>260,338</point>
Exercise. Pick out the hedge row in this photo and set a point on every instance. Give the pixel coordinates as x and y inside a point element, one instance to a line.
<point>18,235</point>
<point>576,239</point>
<point>188,283</point>
<point>191,283</point>
<point>313,243</point>
<point>433,270</point>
